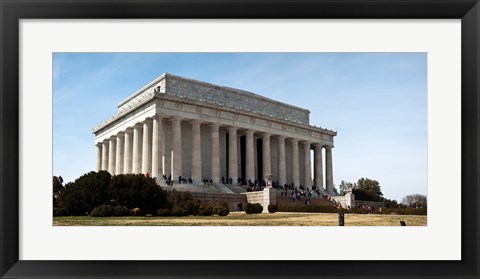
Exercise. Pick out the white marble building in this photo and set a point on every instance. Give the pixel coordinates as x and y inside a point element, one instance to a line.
<point>183,127</point>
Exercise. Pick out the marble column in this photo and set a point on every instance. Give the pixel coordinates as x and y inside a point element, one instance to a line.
<point>295,164</point>
<point>318,172</point>
<point>308,170</point>
<point>119,155</point>
<point>157,129</point>
<point>196,152</point>
<point>127,152</point>
<point>267,164</point>
<point>98,165</point>
<point>177,148</point>
<point>146,149</point>
<point>105,155</point>
<point>136,162</point>
<point>329,169</point>
<point>232,155</point>
<point>215,158</point>
<point>250,156</point>
<point>282,175</point>
<point>111,156</point>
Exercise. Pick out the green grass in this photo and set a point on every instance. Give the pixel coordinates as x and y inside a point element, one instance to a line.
<point>242,219</point>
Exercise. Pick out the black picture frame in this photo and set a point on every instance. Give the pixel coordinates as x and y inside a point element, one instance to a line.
<point>12,11</point>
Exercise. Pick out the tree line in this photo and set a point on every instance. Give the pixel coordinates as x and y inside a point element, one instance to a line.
<point>101,194</point>
<point>366,189</point>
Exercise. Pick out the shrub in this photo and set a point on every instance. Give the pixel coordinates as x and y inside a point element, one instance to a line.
<point>357,210</point>
<point>104,210</point>
<point>136,190</point>
<point>120,210</point>
<point>307,208</point>
<point>253,208</point>
<point>163,212</point>
<point>179,211</point>
<point>59,211</point>
<point>219,207</point>
<point>87,192</point>
<point>214,207</point>
<point>205,210</point>
<point>272,208</point>
<point>183,200</point>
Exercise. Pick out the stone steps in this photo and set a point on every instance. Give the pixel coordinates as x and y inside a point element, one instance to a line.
<point>198,187</point>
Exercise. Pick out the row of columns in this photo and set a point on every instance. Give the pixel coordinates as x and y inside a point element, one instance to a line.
<point>137,150</point>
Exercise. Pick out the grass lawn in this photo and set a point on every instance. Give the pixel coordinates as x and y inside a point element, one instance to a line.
<point>243,219</point>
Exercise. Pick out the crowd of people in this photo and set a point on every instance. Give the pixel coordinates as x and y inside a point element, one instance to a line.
<point>288,190</point>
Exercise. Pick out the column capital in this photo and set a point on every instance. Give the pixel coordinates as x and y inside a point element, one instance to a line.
<point>328,147</point>
<point>317,144</point>
<point>294,140</point>
<point>232,129</point>
<point>281,137</point>
<point>137,125</point>
<point>214,125</point>
<point>196,121</point>
<point>250,132</point>
<point>307,143</point>
<point>266,134</point>
<point>175,119</point>
<point>158,116</point>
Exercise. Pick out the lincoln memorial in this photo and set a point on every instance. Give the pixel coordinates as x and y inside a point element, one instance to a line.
<point>175,126</point>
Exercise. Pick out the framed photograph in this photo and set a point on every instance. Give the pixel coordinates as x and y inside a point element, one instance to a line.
<point>405,78</point>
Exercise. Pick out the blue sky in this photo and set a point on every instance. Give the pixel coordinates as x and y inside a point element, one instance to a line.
<point>376,101</point>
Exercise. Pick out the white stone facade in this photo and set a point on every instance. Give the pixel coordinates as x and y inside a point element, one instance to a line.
<point>212,132</point>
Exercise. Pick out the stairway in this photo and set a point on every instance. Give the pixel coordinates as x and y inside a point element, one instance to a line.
<point>198,187</point>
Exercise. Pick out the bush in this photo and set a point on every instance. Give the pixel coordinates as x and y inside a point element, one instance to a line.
<point>136,190</point>
<point>106,210</point>
<point>179,211</point>
<point>94,189</point>
<point>272,208</point>
<point>183,200</point>
<point>357,210</point>
<point>219,207</point>
<point>59,211</point>
<point>307,208</point>
<point>253,208</point>
<point>205,210</point>
<point>87,192</point>
<point>164,212</point>
<point>120,210</point>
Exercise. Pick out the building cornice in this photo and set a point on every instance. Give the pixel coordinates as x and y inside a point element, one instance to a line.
<point>212,105</point>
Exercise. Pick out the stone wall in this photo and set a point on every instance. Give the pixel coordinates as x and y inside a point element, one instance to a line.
<point>231,199</point>
<point>346,201</point>
<point>265,197</point>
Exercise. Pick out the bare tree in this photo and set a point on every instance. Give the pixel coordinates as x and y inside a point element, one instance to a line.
<point>415,200</point>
